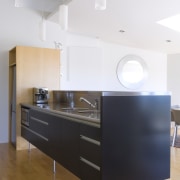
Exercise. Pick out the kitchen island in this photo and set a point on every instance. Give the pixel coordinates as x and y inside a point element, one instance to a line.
<point>96,144</point>
<point>67,136</point>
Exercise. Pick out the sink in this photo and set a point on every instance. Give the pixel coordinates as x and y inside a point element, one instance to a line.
<point>89,111</point>
<point>74,108</point>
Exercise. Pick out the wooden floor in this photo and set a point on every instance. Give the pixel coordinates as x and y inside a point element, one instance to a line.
<point>175,163</point>
<point>21,165</point>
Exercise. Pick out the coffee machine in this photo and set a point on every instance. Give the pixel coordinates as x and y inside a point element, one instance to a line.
<point>40,95</point>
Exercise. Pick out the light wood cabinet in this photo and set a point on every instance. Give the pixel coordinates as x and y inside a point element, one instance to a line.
<point>35,67</point>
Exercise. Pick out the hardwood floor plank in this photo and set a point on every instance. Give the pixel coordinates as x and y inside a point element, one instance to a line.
<point>36,165</point>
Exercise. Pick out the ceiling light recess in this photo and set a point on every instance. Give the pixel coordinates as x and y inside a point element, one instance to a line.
<point>171,22</point>
<point>168,41</point>
<point>121,31</point>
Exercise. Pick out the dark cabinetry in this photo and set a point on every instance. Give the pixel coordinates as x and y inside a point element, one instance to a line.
<point>67,145</point>
<point>38,131</point>
<point>131,142</point>
<point>55,136</point>
<point>74,145</point>
<point>136,137</point>
<point>90,152</point>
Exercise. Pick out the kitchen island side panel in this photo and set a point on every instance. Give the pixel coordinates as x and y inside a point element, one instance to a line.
<point>135,137</point>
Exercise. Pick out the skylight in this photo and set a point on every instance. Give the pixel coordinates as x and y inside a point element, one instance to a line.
<point>172,22</point>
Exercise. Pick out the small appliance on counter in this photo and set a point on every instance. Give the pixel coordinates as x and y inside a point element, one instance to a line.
<point>40,95</point>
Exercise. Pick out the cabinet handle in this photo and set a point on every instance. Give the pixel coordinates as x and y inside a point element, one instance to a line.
<point>90,140</point>
<point>90,163</point>
<point>40,121</point>
<point>37,134</point>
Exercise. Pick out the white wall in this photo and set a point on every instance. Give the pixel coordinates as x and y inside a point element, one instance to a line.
<point>107,64</point>
<point>20,26</point>
<point>156,63</point>
<point>173,74</point>
<point>83,71</point>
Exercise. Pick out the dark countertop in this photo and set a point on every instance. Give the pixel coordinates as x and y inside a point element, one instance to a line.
<point>79,113</point>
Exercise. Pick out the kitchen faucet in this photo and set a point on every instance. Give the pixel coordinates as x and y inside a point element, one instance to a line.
<point>95,105</point>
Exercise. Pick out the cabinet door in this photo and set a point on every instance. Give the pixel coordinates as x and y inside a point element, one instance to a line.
<point>39,122</point>
<point>71,146</point>
<point>90,152</point>
<point>56,138</point>
<point>39,130</point>
<point>25,133</point>
<point>64,142</point>
<point>87,172</point>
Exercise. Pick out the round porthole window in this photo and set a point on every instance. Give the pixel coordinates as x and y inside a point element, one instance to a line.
<point>132,71</point>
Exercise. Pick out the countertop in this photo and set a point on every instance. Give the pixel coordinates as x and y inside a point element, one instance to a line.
<point>77,113</point>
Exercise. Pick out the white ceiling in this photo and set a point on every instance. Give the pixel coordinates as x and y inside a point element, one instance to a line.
<point>136,17</point>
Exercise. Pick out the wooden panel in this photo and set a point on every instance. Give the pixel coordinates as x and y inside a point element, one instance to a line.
<point>12,57</point>
<point>35,67</point>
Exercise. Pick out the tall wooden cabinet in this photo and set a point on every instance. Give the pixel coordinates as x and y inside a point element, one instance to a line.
<point>29,67</point>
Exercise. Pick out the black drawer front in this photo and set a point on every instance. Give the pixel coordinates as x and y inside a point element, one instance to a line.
<point>39,122</point>
<point>88,172</point>
<point>36,139</point>
<point>39,126</point>
<point>25,134</point>
<point>90,131</point>
<point>40,115</point>
<point>90,151</point>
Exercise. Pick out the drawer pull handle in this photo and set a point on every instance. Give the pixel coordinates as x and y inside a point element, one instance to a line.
<point>90,163</point>
<point>90,140</point>
<point>37,134</point>
<point>40,121</point>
